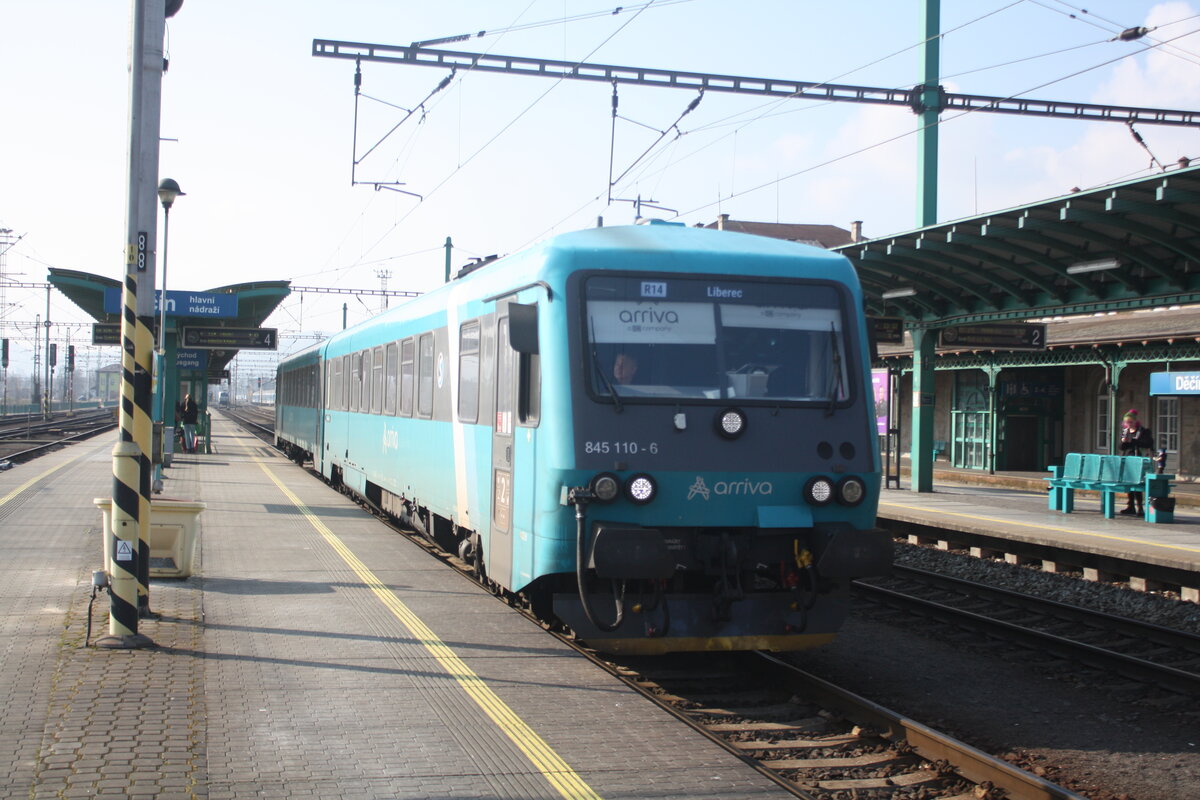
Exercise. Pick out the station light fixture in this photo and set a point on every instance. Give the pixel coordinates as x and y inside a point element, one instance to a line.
<point>903,291</point>
<point>1099,265</point>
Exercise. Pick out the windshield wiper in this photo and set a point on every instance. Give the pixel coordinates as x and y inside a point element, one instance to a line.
<point>596,364</point>
<point>836,356</point>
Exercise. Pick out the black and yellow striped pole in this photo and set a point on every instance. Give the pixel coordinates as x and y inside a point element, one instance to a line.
<point>129,561</point>
<point>124,562</point>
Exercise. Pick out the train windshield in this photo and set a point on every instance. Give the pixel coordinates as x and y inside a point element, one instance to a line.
<point>715,339</point>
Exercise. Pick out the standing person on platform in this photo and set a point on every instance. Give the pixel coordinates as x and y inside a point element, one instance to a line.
<point>1136,440</point>
<point>190,413</point>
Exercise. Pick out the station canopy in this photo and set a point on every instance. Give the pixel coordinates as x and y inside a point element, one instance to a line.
<point>255,302</point>
<point>1125,246</point>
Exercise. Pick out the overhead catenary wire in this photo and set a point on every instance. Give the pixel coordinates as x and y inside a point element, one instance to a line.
<point>940,121</point>
<point>504,129</point>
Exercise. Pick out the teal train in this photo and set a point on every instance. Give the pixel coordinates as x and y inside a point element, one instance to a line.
<point>660,437</point>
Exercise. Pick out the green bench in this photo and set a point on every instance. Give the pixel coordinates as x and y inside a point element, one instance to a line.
<point>1110,475</point>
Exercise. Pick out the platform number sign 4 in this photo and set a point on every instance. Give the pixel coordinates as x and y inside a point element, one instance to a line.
<point>655,289</point>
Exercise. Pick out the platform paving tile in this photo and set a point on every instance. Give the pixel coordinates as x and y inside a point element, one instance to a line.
<point>412,730</point>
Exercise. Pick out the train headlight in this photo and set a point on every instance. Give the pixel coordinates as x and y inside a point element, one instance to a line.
<point>731,423</point>
<point>606,487</point>
<point>641,488</point>
<point>851,491</point>
<point>819,490</point>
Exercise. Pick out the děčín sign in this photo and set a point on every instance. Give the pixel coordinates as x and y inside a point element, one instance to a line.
<point>1177,383</point>
<point>182,304</point>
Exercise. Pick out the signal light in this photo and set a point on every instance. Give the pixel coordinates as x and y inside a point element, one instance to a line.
<point>851,491</point>
<point>731,423</point>
<point>819,490</point>
<point>606,487</point>
<point>641,488</point>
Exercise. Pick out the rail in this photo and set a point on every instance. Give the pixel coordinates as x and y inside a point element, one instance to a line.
<point>1042,614</point>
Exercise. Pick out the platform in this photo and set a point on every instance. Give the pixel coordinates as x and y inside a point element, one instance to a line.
<point>1014,506</point>
<point>314,653</point>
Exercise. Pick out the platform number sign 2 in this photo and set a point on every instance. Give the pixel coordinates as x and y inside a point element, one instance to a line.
<point>656,289</point>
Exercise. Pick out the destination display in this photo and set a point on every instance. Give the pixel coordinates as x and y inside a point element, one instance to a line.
<point>230,338</point>
<point>995,335</point>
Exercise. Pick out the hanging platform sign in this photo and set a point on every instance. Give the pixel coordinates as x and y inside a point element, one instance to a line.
<point>230,338</point>
<point>888,330</point>
<point>182,304</point>
<point>1174,383</point>
<point>106,333</point>
<point>994,336</point>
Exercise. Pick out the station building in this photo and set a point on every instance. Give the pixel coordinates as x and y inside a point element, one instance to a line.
<point>1059,400</point>
<point>1113,273</point>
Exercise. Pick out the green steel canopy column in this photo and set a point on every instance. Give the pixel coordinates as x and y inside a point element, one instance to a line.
<point>924,340</point>
<point>929,106</point>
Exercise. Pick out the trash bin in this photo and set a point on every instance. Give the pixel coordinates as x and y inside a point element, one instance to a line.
<point>168,445</point>
<point>174,526</point>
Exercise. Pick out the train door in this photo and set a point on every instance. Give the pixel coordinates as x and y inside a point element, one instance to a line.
<point>500,540</point>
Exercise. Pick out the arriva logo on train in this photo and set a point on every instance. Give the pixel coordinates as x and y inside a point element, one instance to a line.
<point>391,439</point>
<point>725,488</point>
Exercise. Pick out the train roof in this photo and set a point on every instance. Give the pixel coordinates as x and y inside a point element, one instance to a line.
<point>694,249</point>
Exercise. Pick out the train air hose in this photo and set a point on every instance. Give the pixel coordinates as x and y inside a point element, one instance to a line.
<point>582,557</point>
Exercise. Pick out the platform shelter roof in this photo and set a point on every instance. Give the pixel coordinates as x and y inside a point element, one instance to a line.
<point>1123,246</point>
<point>255,302</point>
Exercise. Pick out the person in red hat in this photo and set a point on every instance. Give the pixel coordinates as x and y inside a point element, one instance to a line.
<point>1135,438</point>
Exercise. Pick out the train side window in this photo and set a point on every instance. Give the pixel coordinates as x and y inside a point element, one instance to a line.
<point>345,383</point>
<point>355,381</point>
<point>425,375</point>
<point>335,398</point>
<point>377,381</point>
<point>468,372</point>
<point>364,375</point>
<point>407,357</point>
<point>529,397</point>
<point>389,379</point>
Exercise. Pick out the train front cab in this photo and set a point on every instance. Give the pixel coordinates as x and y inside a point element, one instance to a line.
<point>726,475</point>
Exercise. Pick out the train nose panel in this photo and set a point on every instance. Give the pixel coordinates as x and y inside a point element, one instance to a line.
<point>628,552</point>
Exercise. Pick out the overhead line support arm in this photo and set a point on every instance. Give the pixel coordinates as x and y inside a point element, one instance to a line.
<point>767,87</point>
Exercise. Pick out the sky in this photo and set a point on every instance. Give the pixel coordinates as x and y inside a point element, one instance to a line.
<point>260,134</point>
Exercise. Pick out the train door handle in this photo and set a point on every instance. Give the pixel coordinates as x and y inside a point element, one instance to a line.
<point>508,454</point>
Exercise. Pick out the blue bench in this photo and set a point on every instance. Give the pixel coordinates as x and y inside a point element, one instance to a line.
<point>1110,475</point>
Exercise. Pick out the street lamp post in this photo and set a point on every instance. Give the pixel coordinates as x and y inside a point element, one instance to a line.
<point>168,190</point>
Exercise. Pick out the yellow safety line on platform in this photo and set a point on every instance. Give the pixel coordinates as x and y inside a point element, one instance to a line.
<point>1045,527</point>
<point>34,480</point>
<point>552,767</point>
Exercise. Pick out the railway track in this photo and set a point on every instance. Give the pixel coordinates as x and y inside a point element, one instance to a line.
<point>1153,655</point>
<point>26,438</point>
<point>814,739</point>
<point>257,422</point>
